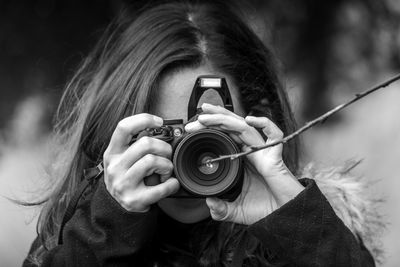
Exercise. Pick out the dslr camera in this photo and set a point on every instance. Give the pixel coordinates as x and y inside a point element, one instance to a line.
<point>222,179</point>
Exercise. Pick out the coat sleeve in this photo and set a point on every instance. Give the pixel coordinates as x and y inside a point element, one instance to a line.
<point>102,233</point>
<point>307,232</point>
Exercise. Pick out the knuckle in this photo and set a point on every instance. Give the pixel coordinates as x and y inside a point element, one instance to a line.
<point>130,201</point>
<point>122,126</point>
<point>170,165</point>
<point>110,171</point>
<point>150,159</point>
<point>118,190</point>
<point>133,201</point>
<point>279,133</point>
<point>168,148</point>
<point>146,142</point>
<point>132,204</point>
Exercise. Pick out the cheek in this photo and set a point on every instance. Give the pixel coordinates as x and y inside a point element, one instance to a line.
<point>238,108</point>
<point>237,102</point>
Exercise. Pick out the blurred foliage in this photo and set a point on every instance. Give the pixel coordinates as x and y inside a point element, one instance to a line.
<point>323,44</point>
<point>332,43</point>
<point>40,44</point>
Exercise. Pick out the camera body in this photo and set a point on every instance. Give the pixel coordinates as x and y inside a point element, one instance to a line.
<point>223,179</point>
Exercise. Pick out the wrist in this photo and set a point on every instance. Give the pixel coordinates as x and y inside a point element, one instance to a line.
<point>284,185</point>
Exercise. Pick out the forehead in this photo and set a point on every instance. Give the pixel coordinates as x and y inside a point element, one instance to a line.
<point>171,99</point>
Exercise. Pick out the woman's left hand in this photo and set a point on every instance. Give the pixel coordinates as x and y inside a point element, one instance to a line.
<point>268,183</point>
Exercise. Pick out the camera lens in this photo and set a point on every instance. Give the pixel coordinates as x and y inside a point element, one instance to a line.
<point>206,179</point>
<point>207,168</point>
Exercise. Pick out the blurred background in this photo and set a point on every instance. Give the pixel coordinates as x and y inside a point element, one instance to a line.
<point>329,50</point>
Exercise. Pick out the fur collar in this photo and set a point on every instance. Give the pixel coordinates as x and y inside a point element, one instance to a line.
<point>348,196</point>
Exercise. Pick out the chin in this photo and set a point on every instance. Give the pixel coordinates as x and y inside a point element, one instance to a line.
<point>185,210</point>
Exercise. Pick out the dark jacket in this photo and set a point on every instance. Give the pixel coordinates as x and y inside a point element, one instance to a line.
<point>303,232</point>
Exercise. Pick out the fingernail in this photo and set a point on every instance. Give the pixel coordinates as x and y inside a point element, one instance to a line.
<point>158,120</point>
<point>188,126</point>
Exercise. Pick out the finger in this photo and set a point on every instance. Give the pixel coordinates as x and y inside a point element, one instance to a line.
<point>130,126</point>
<point>212,109</point>
<point>219,209</point>
<point>237,126</point>
<point>143,146</point>
<point>209,109</point>
<point>148,165</point>
<point>223,121</point>
<point>270,129</point>
<point>194,126</point>
<point>157,192</point>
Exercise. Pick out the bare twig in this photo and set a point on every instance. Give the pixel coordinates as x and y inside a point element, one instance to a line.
<point>308,125</point>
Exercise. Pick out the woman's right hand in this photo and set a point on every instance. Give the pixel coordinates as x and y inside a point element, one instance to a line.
<point>125,166</point>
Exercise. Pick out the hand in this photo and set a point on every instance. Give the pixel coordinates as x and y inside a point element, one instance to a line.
<point>268,184</point>
<point>126,166</point>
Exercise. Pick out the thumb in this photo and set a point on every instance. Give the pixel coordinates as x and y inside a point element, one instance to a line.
<point>218,208</point>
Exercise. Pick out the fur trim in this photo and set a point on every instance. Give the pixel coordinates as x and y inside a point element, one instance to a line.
<point>348,196</point>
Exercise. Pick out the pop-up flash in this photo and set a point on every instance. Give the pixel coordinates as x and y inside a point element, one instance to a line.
<point>210,82</point>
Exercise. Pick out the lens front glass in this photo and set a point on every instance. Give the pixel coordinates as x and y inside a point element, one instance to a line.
<point>207,168</point>
<point>206,179</point>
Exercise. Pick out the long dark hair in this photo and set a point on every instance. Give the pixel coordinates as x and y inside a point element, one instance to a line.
<point>122,73</point>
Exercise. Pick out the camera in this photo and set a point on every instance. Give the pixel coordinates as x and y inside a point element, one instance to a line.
<point>223,179</point>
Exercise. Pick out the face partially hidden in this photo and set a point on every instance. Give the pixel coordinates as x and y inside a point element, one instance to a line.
<point>171,102</point>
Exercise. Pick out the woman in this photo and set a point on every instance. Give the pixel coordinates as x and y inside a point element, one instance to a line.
<point>141,72</point>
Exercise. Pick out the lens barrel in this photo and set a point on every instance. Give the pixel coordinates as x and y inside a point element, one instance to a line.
<point>202,179</point>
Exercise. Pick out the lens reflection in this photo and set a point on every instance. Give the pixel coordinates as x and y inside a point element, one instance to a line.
<point>208,168</point>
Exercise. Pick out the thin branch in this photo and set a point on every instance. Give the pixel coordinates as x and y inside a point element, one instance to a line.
<point>308,125</point>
